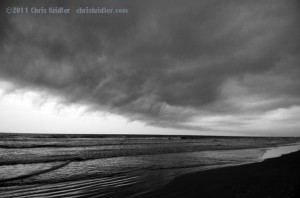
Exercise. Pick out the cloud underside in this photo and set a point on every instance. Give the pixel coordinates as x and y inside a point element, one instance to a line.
<point>199,65</point>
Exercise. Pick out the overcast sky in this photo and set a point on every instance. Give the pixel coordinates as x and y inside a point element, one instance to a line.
<point>183,67</point>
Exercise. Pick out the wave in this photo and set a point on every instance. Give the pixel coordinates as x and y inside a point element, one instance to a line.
<point>84,188</point>
<point>36,173</point>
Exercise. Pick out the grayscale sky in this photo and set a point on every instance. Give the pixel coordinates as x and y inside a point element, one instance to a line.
<point>208,67</point>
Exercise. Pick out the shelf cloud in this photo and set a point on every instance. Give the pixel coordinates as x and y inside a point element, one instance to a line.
<point>198,65</point>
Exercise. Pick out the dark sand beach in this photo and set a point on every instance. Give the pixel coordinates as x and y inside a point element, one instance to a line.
<point>272,178</point>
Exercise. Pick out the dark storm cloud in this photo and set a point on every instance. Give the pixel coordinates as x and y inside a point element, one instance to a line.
<point>163,62</point>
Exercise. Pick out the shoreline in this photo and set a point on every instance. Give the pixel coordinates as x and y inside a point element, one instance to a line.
<point>273,177</point>
<point>277,150</point>
<point>281,150</point>
<point>145,186</point>
<point>237,180</point>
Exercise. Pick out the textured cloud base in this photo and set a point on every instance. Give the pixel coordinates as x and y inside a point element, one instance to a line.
<point>200,65</point>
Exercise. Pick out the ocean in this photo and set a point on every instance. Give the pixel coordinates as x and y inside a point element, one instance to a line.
<point>121,165</point>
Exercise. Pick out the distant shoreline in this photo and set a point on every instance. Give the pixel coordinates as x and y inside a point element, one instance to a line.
<point>91,135</point>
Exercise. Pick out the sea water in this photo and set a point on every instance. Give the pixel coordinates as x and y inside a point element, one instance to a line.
<point>117,165</point>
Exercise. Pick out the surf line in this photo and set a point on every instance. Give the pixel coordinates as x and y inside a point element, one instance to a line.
<point>36,172</point>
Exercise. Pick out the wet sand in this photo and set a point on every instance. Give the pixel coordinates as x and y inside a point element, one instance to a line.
<point>272,178</point>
